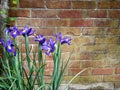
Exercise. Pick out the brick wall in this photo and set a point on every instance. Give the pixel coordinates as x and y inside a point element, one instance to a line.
<point>94,26</point>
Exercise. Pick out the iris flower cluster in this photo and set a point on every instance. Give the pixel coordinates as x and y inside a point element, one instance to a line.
<point>48,45</point>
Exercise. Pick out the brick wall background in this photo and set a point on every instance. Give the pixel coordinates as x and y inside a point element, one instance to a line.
<point>94,26</point>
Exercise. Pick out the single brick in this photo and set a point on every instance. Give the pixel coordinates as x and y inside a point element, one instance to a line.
<point>102,71</point>
<point>58,4</point>
<point>109,4</point>
<point>29,22</point>
<point>43,13</point>
<point>83,4</point>
<point>70,14</point>
<point>94,31</point>
<point>95,64</point>
<point>74,71</point>
<point>56,22</point>
<point>111,78</point>
<point>96,14</point>
<point>69,30</point>
<point>74,64</point>
<point>94,48</point>
<point>113,31</point>
<point>19,13</point>
<point>45,31</point>
<point>31,3</point>
<point>117,71</point>
<point>106,23</point>
<point>114,13</point>
<point>81,23</point>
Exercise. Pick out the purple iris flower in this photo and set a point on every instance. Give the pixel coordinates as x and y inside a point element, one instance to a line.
<point>15,32</point>
<point>27,31</point>
<point>9,46</point>
<point>63,40</point>
<point>8,30</point>
<point>49,46</point>
<point>66,40</point>
<point>40,38</point>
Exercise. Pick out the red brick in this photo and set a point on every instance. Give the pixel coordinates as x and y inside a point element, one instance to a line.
<point>19,13</point>
<point>31,3</point>
<point>103,71</point>
<point>114,13</point>
<point>83,4</point>
<point>81,23</point>
<point>109,4</point>
<point>56,22</point>
<point>96,13</point>
<point>70,14</point>
<point>58,4</point>
<point>43,13</point>
<point>117,71</point>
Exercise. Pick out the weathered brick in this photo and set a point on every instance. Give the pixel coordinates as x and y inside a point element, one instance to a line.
<point>31,3</point>
<point>95,14</point>
<point>32,48</point>
<point>113,47</point>
<point>84,79</point>
<point>45,31</point>
<point>93,64</point>
<point>81,23</point>
<point>66,55</point>
<point>108,39</point>
<point>83,40</point>
<point>113,31</point>
<point>48,72</point>
<point>29,22</point>
<point>56,22</point>
<point>109,4</point>
<point>117,71</point>
<point>83,4</point>
<point>69,30</point>
<point>43,13</point>
<point>114,13</point>
<point>103,71</point>
<point>49,64</point>
<point>70,14</point>
<point>85,55</point>
<point>96,48</point>
<point>58,4</point>
<point>74,71</point>
<point>111,78</point>
<point>74,64</point>
<point>22,40</point>
<point>94,31</point>
<point>19,13</point>
<point>106,23</point>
